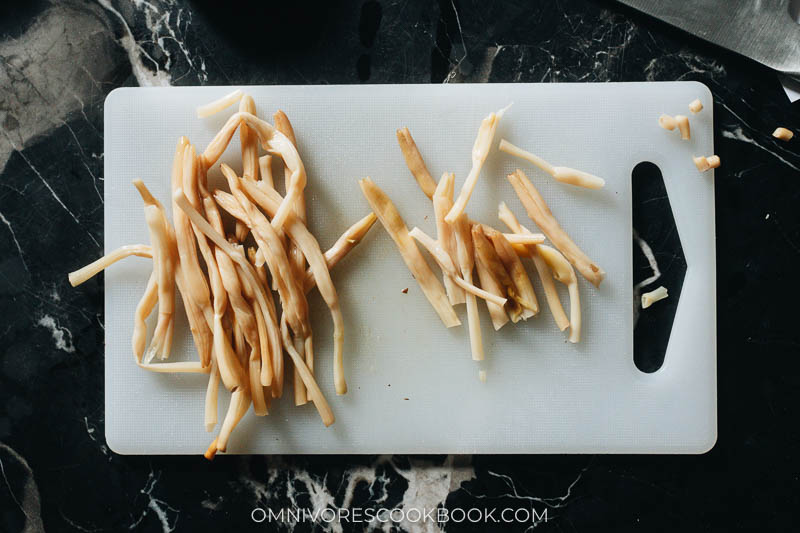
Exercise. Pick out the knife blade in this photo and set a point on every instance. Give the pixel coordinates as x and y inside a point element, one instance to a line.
<point>766,31</point>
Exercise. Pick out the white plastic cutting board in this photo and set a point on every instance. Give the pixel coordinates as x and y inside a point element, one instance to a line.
<point>413,386</point>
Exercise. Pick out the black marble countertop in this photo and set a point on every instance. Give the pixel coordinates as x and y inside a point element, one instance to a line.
<point>58,60</point>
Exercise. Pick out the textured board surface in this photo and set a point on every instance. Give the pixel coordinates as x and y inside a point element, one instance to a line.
<point>413,386</point>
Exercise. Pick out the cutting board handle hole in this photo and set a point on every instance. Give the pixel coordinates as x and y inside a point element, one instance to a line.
<point>794,10</point>
<point>657,260</point>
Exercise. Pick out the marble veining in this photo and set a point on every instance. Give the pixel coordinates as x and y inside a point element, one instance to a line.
<point>166,515</point>
<point>738,135</point>
<point>58,60</point>
<point>61,336</point>
<point>428,485</point>
<point>25,495</point>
